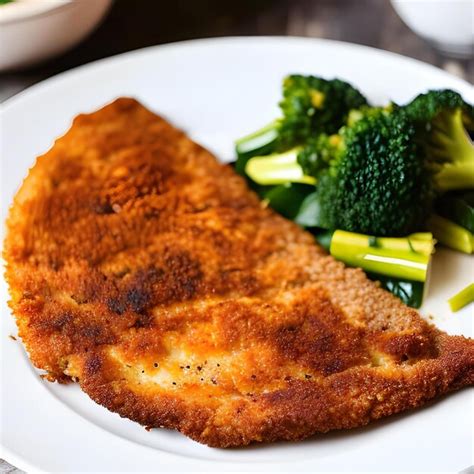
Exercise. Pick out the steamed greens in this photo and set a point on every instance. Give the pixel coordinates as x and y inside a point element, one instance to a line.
<point>360,174</point>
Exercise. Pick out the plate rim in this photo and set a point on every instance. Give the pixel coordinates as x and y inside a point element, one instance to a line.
<point>48,82</point>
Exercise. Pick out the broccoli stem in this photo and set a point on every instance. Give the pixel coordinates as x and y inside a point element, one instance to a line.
<point>400,257</point>
<point>261,142</point>
<point>277,168</point>
<point>461,299</point>
<point>451,141</point>
<point>254,142</point>
<point>409,291</point>
<point>458,175</point>
<point>450,234</point>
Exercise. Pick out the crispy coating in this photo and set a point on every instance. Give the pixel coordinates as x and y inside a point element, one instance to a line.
<point>146,271</point>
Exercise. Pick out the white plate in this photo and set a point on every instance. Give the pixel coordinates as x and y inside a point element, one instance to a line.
<point>216,90</point>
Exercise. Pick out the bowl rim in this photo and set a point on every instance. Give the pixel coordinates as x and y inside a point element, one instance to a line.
<point>23,10</point>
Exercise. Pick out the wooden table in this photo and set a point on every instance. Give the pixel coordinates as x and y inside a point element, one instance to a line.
<point>136,24</point>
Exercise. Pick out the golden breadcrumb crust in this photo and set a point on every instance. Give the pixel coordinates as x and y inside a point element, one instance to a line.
<point>146,271</point>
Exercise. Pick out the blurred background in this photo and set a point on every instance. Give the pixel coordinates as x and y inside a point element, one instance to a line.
<point>130,25</point>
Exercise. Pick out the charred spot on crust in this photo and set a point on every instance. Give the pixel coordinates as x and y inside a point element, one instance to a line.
<point>184,274</point>
<point>137,299</point>
<point>93,365</point>
<point>103,207</point>
<point>140,294</point>
<point>116,305</point>
<point>320,339</point>
<point>55,264</point>
<point>144,320</point>
<point>333,366</point>
<point>60,322</point>
<point>90,331</point>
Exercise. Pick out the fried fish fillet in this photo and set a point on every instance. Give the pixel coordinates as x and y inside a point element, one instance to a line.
<point>147,272</point>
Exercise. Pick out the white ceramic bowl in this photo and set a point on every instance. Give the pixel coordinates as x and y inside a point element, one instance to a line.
<point>34,30</point>
<point>448,24</point>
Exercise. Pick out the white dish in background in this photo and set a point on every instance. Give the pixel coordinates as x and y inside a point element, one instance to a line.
<point>35,30</point>
<point>216,90</point>
<point>447,24</point>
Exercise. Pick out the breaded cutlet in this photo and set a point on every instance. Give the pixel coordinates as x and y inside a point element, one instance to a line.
<point>146,271</point>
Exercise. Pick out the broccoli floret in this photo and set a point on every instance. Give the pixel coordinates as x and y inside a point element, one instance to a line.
<point>370,178</point>
<point>379,174</point>
<point>378,182</point>
<point>297,165</point>
<point>394,164</point>
<point>314,105</point>
<point>367,111</point>
<point>318,153</point>
<point>310,106</point>
<point>443,121</point>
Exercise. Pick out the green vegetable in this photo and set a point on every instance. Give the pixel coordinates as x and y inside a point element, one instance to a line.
<point>370,177</point>
<point>451,234</point>
<point>287,198</point>
<point>314,105</point>
<point>406,258</point>
<point>380,173</point>
<point>375,171</point>
<point>310,105</point>
<point>463,298</point>
<point>376,183</point>
<point>458,207</point>
<point>367,111</point>
<point>324,239</point>
<point>309,214</point>
<point>277,168</point>
<point>260,142</point>
<point>394,164</point>
<point>409,291</point>
<point>319,154</point>
<point>443,121</point>
<point>3,2</point>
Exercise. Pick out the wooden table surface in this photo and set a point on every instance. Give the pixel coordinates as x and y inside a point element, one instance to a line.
<point>135,24</point>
